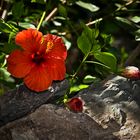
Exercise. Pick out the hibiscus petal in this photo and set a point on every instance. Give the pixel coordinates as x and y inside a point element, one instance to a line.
<point>19,71</point>
<point>18,56</point>
<point>38,79</point>
<point>29,39</point>
<point>56,68</point>
<point>59,49</point>
<point>19,63</point>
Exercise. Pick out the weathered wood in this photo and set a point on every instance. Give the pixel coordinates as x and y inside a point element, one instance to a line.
<point>20,101</point>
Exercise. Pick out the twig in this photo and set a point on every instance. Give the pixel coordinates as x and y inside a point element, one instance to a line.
<point>53,12</point>
<point>93,22</point>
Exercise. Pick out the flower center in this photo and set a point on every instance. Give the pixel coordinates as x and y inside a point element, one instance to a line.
<point>37,58</point>
<point>49,46</point>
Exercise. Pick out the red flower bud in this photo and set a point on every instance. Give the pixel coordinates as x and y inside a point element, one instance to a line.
<point>75,104</point>
<point>131,72</point>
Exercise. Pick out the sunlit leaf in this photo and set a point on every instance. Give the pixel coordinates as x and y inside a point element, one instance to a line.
<point>89,6</point>
<point>67,43</point>
<point>136,19</point>
<point>56,23</point>
<point>89,79</point>
<point>124,20</point>
<point>78,88</point>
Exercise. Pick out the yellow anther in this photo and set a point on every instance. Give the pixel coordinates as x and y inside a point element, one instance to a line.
<point>42,40</point>
<point>49,46</point>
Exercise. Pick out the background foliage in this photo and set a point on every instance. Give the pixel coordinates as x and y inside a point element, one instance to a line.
<point>101,36</point>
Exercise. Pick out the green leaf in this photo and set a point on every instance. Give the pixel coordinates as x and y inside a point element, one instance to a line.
<point>26,25</point>
<point>126,24</point>
<point>4,27</point>
<point>135,19</point>
<point>78,88</point>
<point>91,33</point>
<point>11,36</point>
<point>67,43</point>
<point>107,38</point>
<point>6,80</point>
<point>137,35</point>
<point>88,39</point>
<point>107,58</point>
<point>83,41</point>
<point>18,9</point>
<point>4,74</point>
<point>2,57</point>
<point>96,47</point>
<point>62,10</point>
<point>88,6</point>
<point>84,44</point>
<point>124,20</point>
<point>8,48</point>
<point>89,79</point>
<point>95,33</point>
<point>38,1</point>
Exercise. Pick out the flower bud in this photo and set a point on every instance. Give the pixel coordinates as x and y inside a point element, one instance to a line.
<point>75,104</point>
<point>131,72</point>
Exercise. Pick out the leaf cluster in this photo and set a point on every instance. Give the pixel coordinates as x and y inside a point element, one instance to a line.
<point>88,28</point>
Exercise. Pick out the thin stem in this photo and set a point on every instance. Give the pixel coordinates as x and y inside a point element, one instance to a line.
<point>41,20</point>
<point>94,22</point>
<point>83,61</point>
<point>53,12</point>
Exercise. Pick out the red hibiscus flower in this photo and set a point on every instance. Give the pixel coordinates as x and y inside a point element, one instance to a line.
<point>75,104</point>
<point>40,60</point>
<point>131,72</point>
